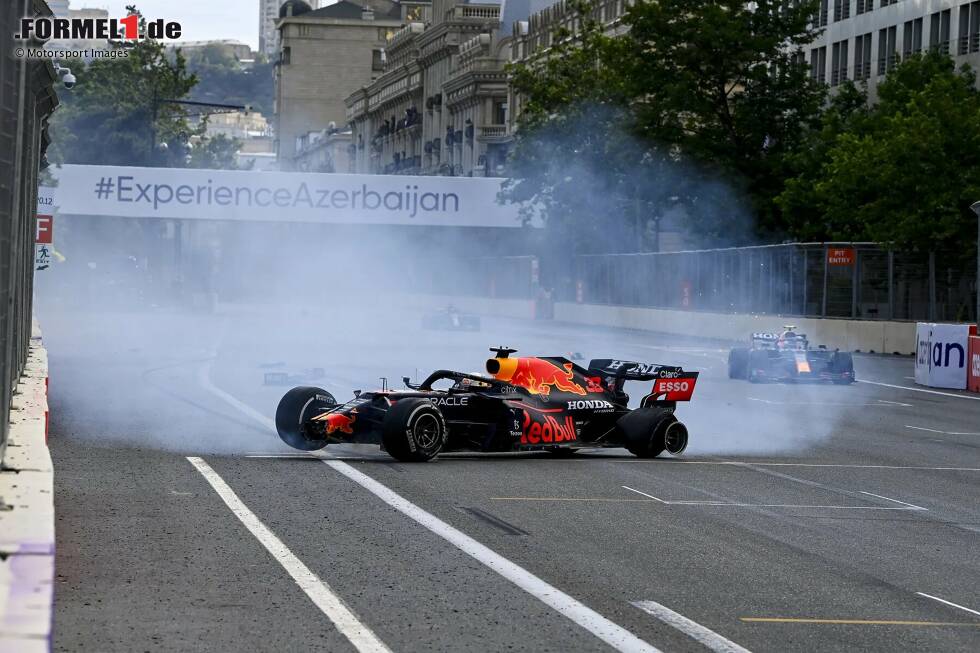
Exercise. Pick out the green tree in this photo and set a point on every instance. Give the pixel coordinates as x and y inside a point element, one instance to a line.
<point>908,170</point>
<point>723,84</point>
<point>217,152</point>
<point>117,113</point>
<point>701,103</point>
<point>222,79</point>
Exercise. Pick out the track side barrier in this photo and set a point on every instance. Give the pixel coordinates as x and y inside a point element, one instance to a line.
<point>877,336</point>
<point>973,372</point>
<point>27,514</point>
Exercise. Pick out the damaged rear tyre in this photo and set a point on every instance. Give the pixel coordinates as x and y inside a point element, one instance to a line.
<point>414,430</point>
<point>295,408</point>
<point>642,431</point>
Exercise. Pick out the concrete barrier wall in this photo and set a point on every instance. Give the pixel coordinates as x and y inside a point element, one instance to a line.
<point>27,515</point>
<point>847,335</point>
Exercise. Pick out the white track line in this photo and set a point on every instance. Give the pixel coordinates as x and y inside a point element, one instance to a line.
<point>739,463</point>
<point>910,505</point>
<point>649,496</point>
<point>612,634</point>
<point>922,428</point>
<point>955,605</point>
<point>692,629</point>
<point>616,636</point>
<point>322,596</point>
<point>905,387</point>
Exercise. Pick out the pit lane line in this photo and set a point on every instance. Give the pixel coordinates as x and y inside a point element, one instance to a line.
<point>359,634</point>
<point>950,603</point>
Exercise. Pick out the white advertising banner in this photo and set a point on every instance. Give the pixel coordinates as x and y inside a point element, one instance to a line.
<point>282,196</point>
<point>941,355</point>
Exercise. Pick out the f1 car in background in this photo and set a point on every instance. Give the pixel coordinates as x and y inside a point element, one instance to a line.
<point>524,403</point>
<point>787,356</point>
<point>451,319</point>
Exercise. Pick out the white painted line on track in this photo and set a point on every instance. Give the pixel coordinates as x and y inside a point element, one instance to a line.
<point>692,629</point>
<point>950,603</point>
<point>612,634</point>
<point>616,636</point>
<point>905,387</point>
<point>650,496</point>
<point>363,639</point>
<point>922,428</point>
<point>739,463</point>
<point>878,403</point>
<point>910,505</point>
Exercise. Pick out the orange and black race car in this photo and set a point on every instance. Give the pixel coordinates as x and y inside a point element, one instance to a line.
<point>523,403</point>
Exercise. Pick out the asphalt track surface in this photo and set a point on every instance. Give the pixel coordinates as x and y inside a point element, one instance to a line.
<point>802,518</point>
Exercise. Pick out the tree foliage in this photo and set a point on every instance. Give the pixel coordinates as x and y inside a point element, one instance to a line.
<point>125,110</point>
<point>904,171</point>
<point>115,114</point>
<point>701,104</point>
<point>222,79</point>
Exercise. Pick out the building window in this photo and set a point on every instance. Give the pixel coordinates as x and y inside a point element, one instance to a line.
<point>939,30</point>
<point>822,16</point>
<point>286,56</point>
<point>969,37</point>
<point>885,3</point>
<point>887,57</point>
<point>865,6</point>
<point>305,30</point>
<point>818,64</point>
<point>862,57</point>
<point>838,63</point>
<point>500,112</point>
<point>377,60</point>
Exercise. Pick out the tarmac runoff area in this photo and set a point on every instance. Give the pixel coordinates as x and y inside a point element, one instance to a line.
<point>802,517</point>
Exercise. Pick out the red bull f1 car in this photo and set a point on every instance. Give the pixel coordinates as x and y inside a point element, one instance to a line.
<point>787,356</point>
<point>522,403</point>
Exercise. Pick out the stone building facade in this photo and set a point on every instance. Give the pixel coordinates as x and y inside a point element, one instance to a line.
<point>440,105</point>
<point>324,55</point>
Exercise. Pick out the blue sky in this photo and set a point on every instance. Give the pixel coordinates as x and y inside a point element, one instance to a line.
<point>200,19</point>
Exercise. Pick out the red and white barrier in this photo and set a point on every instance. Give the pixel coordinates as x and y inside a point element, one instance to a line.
<point>973,369</point>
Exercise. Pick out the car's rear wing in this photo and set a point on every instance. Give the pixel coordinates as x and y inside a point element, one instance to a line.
<point>670,383</point>
<point>629,370</point>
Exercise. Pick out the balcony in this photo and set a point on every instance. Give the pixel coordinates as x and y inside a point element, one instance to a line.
<point>493,134</point>
<point>474,13</point>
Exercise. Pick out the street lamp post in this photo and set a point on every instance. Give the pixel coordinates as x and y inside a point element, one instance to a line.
<point>976,209</point>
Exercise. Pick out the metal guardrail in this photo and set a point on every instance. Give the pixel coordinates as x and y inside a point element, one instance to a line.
<point>26,99</point>
<point>848,280</point>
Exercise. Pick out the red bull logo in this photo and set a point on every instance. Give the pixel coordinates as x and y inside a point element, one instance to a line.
<point>536,375</point>
<point>547,431</point>
<point>338,422</point>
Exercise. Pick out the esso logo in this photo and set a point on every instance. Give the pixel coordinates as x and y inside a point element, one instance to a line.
<point>675,386</point>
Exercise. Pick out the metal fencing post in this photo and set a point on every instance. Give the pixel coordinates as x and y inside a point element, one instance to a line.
<point>891,284</point>
<point>806,274</point>
<point>855,283</point>
<point>826,270</point>
<point>932,286</point>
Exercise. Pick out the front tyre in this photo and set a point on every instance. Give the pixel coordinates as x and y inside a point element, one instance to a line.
<point>295,408</point>
<point>414,430</point>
